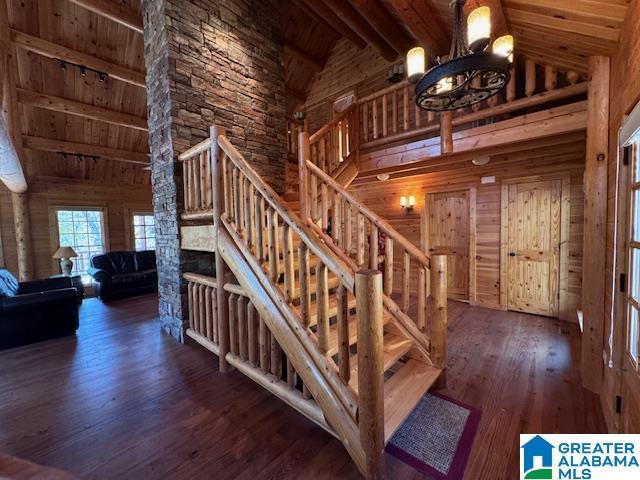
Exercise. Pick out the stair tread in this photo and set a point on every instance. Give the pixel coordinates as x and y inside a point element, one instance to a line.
<point>313,285</point>
<point>333,308</point>
<point>394,347</point>
<point>353,333</point>
<point>403,391</point>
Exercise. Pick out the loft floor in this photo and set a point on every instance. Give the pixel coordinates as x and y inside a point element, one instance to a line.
<point>123,400</point>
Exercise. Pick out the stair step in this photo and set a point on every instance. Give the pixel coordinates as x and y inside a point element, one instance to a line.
<point>394,348</point>
<point>403,391</point>
<point>333,308</point>
<point>353,333</point>
<point>334,282</point>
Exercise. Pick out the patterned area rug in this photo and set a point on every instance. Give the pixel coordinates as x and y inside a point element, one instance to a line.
<point>437,437</point>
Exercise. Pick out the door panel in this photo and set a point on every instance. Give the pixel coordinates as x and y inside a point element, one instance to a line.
<point>533,246</point>
<point>448,234</point>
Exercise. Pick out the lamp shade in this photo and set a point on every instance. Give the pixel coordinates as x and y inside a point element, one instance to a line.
<point>479,28</point>
<point>416,64</point>
<point>503,46</point>
<point>65,252</point>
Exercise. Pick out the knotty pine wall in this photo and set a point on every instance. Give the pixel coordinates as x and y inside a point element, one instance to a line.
<point>348,68</point>
<point>118,199</point>
<point>384,199</point>
<point>625,94</point>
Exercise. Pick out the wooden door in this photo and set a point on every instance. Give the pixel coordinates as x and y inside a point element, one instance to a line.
<point>447,230</point>
<point>533,247</point>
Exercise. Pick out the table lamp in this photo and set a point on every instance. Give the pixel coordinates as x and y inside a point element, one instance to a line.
<point>65,254</point>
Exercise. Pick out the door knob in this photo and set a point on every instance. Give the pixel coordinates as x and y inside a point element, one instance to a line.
<point>512,254</point>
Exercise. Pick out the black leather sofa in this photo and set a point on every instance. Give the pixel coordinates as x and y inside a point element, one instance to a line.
<point>123,274</point>
<point>35,311</point>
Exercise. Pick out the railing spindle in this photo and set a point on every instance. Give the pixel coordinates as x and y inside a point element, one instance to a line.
<point>322,299</point>
<point>196,179</point>
<point>530,77</point>
<point>374,115</point>
<point>242,327</point>
<point>550,78</point>
<point>207,312</point>
<point>373,248</point>
<point>406,281</point>
<point>343,334</point>
<point>289,269</point>
<point>233,324</point>
<point>252,334</point>
<point>360,240</point>
<point>385,130</point>
<point>394,110</point>
<point>422,298</point>
<point>190,295</point>
<point>405,108</point>
<point>276,357</point>
<point>264,346</point>
<point>388,265</point>
<point>365,122</point>
<point>305,292</point>
<point>272,226</point>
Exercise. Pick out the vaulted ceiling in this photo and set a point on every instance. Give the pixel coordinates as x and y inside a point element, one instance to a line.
<point>88,123</point>
<point>560,33</point>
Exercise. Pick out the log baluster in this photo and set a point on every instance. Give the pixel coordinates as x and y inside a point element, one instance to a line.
<point>530,77</point>
<point>343,334</point>
<point>322,299</point>
<point>252,334</point>
<point>385,127</point>
<point>276,357</point>
<point>365,122</point>
<point>438,314</point>
<point>289,269</point>
<point>388,266</point>
<point>374,117</point>
<point>190,295</point>
<point>305,292</point>
<point>394,111</point>
<point>374,252</point>
<point>196,179</point>
<point>264,346</point>
<point>405,108</point>
<point>272,238</point>
<point>233,324</point>
<point>242,327</point>
<point>360,240</point>
<point>208,312</point>
<point>406,281</point>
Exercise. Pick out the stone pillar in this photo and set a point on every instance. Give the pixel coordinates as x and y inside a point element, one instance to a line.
<point>208,61</point>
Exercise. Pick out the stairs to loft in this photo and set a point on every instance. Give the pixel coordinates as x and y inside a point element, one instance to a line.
<point>303,309</point>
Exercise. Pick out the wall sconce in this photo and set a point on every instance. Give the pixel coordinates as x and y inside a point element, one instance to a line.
<point>408,206</point>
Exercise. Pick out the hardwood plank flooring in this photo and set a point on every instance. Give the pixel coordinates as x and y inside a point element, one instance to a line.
<point>123,400</point>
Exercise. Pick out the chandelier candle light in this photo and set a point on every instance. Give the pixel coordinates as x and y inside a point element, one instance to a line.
<point>471,74</point>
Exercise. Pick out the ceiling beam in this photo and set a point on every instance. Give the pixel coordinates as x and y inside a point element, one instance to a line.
<point>303,7</point>
<point>351,17</point>
<point>383,23</point>
<point>499,25</point>
<point>113,11</point>
<point>314,63</point>
<point>52,50</point>
<point>323,11</point>
<point>425,23</point>
<point>72,148</point>
<point>63,105</point>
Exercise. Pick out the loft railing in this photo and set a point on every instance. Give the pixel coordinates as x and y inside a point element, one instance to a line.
<point>390,115</point>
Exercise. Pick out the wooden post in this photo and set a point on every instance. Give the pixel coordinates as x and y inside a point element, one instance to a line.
<point>446,132</point>
<point>511,86</point>
<point>304,154</point>
<point>595,223</point>
<point>530,77</point>
<point>9,106</point>
<point>221,266</point>
<point>438,315</point>
<point>370,370</point>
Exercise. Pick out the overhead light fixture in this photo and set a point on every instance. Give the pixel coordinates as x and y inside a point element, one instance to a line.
<point>471,74</point>
<point>481,160</point>
<point>382,177</point>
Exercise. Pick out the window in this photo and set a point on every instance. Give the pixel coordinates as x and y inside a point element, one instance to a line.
<point>83,230</point>
<point>144,233</point>
<point>633,296</point>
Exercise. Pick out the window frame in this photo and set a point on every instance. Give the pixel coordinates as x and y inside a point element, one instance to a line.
<point>55,229</point>
<point>631,244</point>
<point>132,226</point>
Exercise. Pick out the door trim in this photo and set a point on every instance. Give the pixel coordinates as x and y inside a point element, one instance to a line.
<point>565,225</point>
<point>424,232</point>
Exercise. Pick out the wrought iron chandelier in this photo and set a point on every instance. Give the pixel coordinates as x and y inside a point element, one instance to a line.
<point>471,74</point>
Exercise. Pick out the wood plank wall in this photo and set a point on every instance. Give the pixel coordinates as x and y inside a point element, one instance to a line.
<point>119,200</point>
<point>348,68</point>
<point>384,199</point>
<point>625,93</point>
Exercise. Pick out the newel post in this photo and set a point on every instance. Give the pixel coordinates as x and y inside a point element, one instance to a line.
<point>217,184</point>
<point>304,154</point>
<point>438,316</point>
<point>370,370</point>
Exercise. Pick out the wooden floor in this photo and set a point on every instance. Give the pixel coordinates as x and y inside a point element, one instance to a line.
<point>123,400</point>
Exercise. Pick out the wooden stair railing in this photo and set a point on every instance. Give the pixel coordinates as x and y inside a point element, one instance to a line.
<point>359,237</point>
<point>322,316</point>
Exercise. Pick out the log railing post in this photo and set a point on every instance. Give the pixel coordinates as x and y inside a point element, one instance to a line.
<point>446,132</point>
<point>217,173</point>
<point>304,154</point>
<point>370,370</point>
<point>438,315</point>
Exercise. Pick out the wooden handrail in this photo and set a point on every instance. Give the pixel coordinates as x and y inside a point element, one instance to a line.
<point>288,215</point>
<point>325,128</point>
<point>195,150</point>
<point>382,224</point>
<point>384,91</point>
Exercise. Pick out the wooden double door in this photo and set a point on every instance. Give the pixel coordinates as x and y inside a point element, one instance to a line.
<point>530,253</point>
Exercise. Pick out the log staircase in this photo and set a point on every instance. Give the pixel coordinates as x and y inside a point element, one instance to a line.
<point>315,297</point>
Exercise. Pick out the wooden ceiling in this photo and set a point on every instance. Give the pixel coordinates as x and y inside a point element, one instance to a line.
<point>560,33</point>
<point>79,123</point>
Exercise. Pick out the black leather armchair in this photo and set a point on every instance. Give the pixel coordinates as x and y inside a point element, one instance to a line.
<point>123,274</point>
<point>34,311</point>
